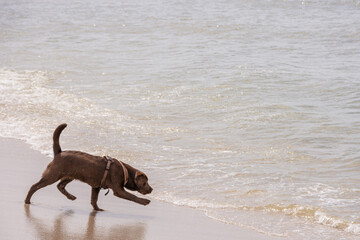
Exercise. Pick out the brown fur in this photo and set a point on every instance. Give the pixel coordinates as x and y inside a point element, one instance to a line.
<point>70,165</point>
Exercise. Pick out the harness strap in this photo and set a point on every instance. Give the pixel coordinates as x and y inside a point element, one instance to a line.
<point>126,173</point>
<point>110,160</point>
<point>108,164</point>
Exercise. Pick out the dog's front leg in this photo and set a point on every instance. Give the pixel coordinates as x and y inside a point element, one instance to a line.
<point>94,198</point>
<point>128,196</point>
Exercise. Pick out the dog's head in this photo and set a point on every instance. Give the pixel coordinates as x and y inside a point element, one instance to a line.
<point>141,182</point>
<point>138,181</point>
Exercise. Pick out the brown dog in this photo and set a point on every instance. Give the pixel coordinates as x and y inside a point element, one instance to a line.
<point>98,172</point>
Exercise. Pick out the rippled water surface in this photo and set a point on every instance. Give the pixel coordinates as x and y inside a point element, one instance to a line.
<point>246,110</point>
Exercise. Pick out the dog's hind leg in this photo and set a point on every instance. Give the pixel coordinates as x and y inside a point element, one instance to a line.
<point>44,181</point>
<point>94,198</point>
<point>61,186</point>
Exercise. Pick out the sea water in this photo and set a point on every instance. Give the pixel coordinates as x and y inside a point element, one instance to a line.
<point>246,110</point>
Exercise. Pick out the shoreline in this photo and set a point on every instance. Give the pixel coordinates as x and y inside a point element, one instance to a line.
<point>51,215</point>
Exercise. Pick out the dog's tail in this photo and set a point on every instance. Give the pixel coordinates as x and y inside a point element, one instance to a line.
<point>56,135</point>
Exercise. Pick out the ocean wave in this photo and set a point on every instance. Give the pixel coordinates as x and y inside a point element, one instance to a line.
<point>311,213</point>
<point>188,202</point>
<point>31,109</point>
<point>227,213</point>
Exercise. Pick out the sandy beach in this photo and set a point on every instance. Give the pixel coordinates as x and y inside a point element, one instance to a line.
<point>52,216</point>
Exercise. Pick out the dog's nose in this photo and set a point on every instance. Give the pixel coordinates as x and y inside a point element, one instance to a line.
<point>151,189</point>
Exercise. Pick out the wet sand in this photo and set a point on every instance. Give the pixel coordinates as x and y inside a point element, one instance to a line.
<point>52,216</point>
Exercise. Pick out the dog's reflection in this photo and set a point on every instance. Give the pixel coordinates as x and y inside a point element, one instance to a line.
<point>58,230</point>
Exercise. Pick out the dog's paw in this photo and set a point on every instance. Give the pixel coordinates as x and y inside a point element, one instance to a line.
<point>145,201</point>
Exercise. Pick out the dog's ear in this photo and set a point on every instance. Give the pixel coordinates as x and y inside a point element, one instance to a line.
<point>140,177</point>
